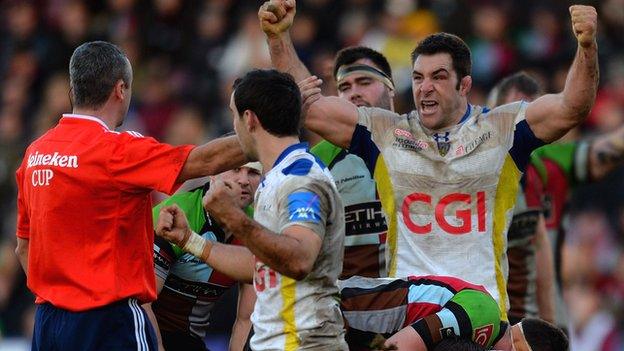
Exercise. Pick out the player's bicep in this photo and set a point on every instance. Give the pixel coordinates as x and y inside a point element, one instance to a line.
<point>309,243</point>
<point>332,118</point>
<point>545,117</point>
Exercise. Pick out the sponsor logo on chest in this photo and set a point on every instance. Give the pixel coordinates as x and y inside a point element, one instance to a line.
<point>403,139</point>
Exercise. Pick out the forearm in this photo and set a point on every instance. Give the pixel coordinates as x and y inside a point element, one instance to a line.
<point>280,252</point>
<point>581,85</point>
<point>240,333</point>
<point>242,325</point>
<point>606,153</point>
<point>284,56</point>
<point>152,318</point>
<point>22,253</point>
<point>237,262</point>
<point>545,274</point>
<point>214,157</point>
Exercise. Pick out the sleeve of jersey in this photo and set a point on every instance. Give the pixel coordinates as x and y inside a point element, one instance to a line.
<point>363,142</point>
<point>142,164</point>
<point>305,204</point>
<point>23,219</point>
<point>524,142</point>
<point>164,257</point>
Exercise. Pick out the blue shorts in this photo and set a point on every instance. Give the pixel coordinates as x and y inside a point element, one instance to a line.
<point>119,326</point>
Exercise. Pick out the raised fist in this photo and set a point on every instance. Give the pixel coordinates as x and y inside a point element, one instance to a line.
<point>584,24</point>
<point>276,16</point>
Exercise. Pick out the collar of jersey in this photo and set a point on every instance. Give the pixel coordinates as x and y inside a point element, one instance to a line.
<point>86,117</point>
<point>288,150</point>
<point>451,128</point>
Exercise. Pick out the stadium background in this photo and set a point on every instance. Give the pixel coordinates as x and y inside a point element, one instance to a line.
<point>186,54</point>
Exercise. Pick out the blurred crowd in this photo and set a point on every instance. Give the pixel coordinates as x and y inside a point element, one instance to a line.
<point>187,53</point>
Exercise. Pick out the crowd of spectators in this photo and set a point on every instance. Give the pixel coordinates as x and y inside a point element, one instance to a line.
<point>186,54</point>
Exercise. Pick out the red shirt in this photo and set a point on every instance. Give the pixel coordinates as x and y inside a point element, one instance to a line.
<point>84,205</point>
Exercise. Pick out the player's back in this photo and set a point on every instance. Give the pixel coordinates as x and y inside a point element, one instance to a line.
<point>304,314</point>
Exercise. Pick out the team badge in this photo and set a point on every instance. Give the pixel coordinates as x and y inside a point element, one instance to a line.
<point>443,142</point>
<point>483,335</point>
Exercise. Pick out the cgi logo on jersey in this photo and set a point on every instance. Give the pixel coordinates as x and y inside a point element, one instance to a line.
<point>304,207</point>
<point>463,212</point>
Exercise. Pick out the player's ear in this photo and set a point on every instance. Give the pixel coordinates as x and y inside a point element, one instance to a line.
<point>118,89</point>
<point>251,120</point>
<point>465,85</point>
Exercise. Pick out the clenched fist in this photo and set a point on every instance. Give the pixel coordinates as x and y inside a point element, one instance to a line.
<point>173,226</point>
<point>276,16</point>
<point>584,24</point>
<point>221,198</point>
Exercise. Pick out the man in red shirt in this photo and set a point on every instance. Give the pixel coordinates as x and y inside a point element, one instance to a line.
<point>84,222</point>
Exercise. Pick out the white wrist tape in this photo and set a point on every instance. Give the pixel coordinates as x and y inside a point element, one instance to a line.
<point>195,245</point>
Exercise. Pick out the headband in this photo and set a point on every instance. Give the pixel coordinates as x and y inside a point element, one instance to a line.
<point>370,71</point>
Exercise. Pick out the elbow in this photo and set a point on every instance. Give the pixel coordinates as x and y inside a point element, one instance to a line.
<point>299,270</point>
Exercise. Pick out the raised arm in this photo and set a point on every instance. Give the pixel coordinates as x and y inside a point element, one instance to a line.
<point>332,118</point>
<point>553,115</point>
<point>214,157</point>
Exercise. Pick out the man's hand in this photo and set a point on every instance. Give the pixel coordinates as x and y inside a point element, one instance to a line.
<point>584,24</point>
<point>310,92</point>
<point>276,16</point>
<point>173,226</point>
<point>221,198</point>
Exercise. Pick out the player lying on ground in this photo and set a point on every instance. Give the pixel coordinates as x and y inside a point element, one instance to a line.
<point>419,311</point>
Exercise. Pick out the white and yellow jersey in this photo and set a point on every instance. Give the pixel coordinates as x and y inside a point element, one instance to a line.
<point>450,193</point>
<point>305,314</point>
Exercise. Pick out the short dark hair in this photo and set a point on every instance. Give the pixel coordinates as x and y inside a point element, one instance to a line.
<point>94,69</point>
<point>544,336</point>
<point>274,97</point>
<point>458,344</point>
<point>449,44</point>
<point>521,82</point>
<point>351,54</point>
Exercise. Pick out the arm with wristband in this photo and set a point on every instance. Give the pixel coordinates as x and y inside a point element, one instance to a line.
<point>234,261</point>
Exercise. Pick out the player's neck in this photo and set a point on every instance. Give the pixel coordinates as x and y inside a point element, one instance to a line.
<point>108,118</point>
<point>271,148</point>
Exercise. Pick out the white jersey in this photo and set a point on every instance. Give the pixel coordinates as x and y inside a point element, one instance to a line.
<point>305,314</point>
<point>450,193</point>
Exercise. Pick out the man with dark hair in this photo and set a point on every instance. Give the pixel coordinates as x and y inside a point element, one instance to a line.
<point>363,76</point>
<point>543,336</point>
<point>84,223</point>
<point>294,245</point>
<point>552,172</point>
<point>451,170</point>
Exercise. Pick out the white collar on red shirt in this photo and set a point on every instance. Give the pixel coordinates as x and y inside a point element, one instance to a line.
<point>90,118</point>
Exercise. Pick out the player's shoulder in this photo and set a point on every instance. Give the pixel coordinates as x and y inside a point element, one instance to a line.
<point>514,110</point>
<point>378,112</point>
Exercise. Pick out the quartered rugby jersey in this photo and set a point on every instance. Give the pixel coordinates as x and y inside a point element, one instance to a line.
<point>395,303</point>
<point>365,223</point>
<point>192,288</point>
<point>560,167</point>
<point>451,192</point>
<point>305,314</point>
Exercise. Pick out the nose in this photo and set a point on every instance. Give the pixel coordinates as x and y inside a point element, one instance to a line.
<point>426,86</point>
